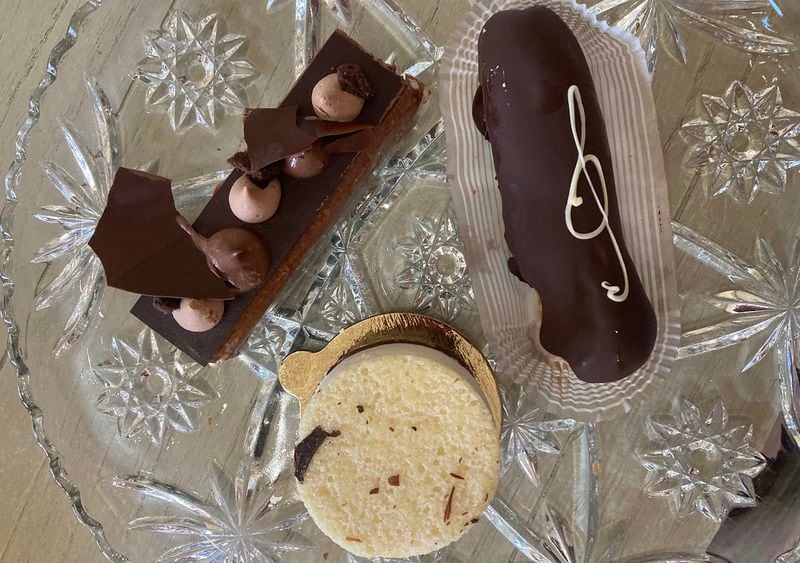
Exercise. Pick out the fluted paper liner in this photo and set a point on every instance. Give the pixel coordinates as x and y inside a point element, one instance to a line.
<point>619,70</point>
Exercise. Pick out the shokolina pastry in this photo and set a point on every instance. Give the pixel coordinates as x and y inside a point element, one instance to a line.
<point>398,452</point>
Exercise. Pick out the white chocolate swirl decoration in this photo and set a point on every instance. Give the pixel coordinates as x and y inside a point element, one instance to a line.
<point>613,292</point>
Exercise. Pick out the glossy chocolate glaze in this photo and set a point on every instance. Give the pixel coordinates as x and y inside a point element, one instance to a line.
<point>528,61</point>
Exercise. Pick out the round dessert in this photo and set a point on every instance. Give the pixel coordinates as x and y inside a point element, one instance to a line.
<point>399,453</point>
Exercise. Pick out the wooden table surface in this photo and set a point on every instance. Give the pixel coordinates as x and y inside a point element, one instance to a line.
<point>36,520</point>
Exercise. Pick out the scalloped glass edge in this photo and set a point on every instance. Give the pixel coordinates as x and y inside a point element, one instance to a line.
<point>14,352</point>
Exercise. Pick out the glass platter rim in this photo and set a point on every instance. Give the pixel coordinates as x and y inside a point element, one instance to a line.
<point>11,183</point>
<point>14,352</point>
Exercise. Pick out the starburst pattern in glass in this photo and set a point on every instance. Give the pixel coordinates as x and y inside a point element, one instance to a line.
<point>192,68</point>
<point>657,24</point>
<point>526,434</point>
<point>744,142</point>
<point>246,519</point>
<point>762,307</point>
<point>269,343</point>
<point>701,461</point>
<point>84,201</point>
<point>151,388</point>
<point>434,267</point>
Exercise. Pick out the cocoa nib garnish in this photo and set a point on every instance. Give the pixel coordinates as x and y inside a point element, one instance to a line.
<point>308,446</point>
<point>353,81</point>
<point>449,506</point>
<point>325,556</point>
<point>165,305</point>
<point>351,538</point>
<point>375,491</point>
<point>394,480</point>
<point>474,521</point>
<point>456,476</point>
<point>262,176</point>
<point>360,409</point>
<point>391,429</point>
<point>414,428</point>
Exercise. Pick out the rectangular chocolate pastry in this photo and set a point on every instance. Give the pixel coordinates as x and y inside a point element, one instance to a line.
<point>308,207</point>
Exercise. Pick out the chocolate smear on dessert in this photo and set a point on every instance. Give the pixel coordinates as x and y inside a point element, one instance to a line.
<point>308,446</point>
<point>448,507</point>
<point>143,249</point>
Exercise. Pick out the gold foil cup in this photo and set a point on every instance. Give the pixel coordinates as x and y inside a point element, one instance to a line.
<point>301,372</point>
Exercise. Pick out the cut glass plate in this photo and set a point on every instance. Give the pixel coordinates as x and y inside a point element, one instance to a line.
<point>162,460</point>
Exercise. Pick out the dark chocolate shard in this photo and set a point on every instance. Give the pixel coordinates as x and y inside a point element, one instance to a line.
<point>141,246</point>
<point>353,81</point>
<point>595,312</point>
<point>321,128</point>
<point>308,446</point>
<point>272,134</point>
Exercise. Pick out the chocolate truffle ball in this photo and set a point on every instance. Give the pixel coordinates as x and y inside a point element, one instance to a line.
<point>332,103</point>
<point>199,315</point>
<point>306,164</point>
<point>251,203</point>
<point>239,257</point>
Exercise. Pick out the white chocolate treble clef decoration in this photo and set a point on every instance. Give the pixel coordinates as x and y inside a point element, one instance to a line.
<point>613,292</point>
